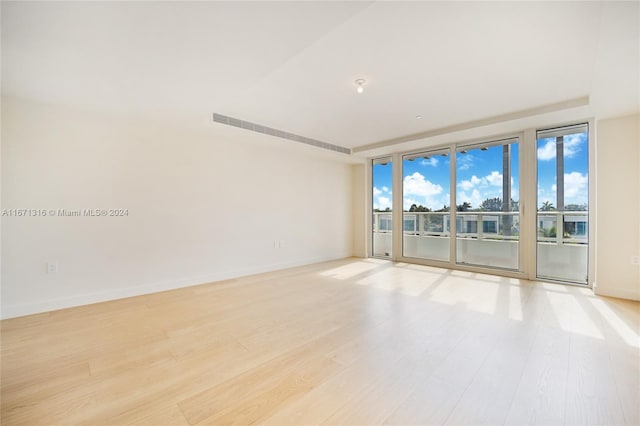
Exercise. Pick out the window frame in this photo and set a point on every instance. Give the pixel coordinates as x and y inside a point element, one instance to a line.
<point>527,191</point>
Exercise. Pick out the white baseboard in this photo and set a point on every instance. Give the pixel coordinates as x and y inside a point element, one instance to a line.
<point>18,310</point>
<point>621,293</point>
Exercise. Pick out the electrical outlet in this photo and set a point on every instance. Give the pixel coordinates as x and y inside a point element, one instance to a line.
<point>52,267</point>
<point>635,260</point>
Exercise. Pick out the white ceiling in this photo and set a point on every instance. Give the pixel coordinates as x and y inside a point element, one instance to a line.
<point>292,65</point>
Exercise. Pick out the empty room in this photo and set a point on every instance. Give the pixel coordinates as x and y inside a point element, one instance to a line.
<point>320,212</point>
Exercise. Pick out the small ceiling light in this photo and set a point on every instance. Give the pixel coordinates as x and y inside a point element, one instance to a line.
<point>360,83</point>
<point>418,117</point>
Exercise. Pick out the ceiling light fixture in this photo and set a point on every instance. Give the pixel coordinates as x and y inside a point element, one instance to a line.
<point>360,83</point>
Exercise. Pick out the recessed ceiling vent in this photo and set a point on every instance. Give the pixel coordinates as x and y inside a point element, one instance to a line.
<point>230,121</point>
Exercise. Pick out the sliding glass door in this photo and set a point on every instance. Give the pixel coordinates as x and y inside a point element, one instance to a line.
<point>382,223</point>
<point>487,205</point>
<point>460,205</point>
<point>426,192</point>
<point>563,204</point>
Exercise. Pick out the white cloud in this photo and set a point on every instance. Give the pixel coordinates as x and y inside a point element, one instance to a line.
<point>489,186</point>
<point>381,203</point>
<point>571,147</point>
<point>381,198</point>
<point>547,152</point>
<point>415,184</point>
<point>433,161</point>
<point>464,161</point>
<point>575,189</point>
<point>418,190</point>
<point>475,199</point>
<point>468,184</point>
<point>494,179</point>
<point>572,144</point>
<point>575,185</point>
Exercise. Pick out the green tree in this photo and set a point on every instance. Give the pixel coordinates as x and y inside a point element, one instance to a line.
<point>549,233</point>
<point>491,205</point>
<point>420,208</point>
<point>547,207</point>
<point>464,207</point>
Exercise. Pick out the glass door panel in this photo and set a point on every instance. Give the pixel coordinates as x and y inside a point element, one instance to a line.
<point>382,204</point>
<point>487,205</point>
<point>563,204</point>
<point>426,189</point>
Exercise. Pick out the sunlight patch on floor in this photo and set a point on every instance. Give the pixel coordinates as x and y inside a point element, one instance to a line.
<point>571,317</point>
<point>625,332</point>
<point>555,287</point>
<point>352,269</point>
<point>406,281</point>
<point>515,303</point>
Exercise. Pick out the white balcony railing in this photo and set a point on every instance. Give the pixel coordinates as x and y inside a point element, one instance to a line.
<point>563,227</point>
<point>562,241</point>
<point>559,227</point>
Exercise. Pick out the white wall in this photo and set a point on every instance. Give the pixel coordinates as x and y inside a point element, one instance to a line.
<point>618,207</point>
<point>359,210</point>
<point>201,207</point>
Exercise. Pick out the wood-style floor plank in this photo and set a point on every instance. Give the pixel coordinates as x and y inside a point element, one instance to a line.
<point>345,342</point>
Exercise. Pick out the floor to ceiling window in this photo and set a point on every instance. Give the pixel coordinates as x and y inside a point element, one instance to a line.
<point>563,204</point>
<point>487,204</point>
<point>426,203</point>
<point>382,223</point>
<point>462,205</point>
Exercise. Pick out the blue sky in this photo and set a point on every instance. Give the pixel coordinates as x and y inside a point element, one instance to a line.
<point>576,169</point>
<point>479,176</point>
<point>426,182</point>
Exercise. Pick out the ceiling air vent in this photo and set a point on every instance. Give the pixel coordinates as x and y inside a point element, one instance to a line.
<point>230,121</point>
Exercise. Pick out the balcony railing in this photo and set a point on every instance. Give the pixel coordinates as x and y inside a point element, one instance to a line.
<point>559,227</point>
<point>563,227</point>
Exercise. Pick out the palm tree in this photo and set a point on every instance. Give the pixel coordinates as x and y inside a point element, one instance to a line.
<point>547,206</point>
<point>464,207</point>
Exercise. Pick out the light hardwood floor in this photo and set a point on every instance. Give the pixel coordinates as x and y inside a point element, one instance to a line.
<point>348,342</point>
